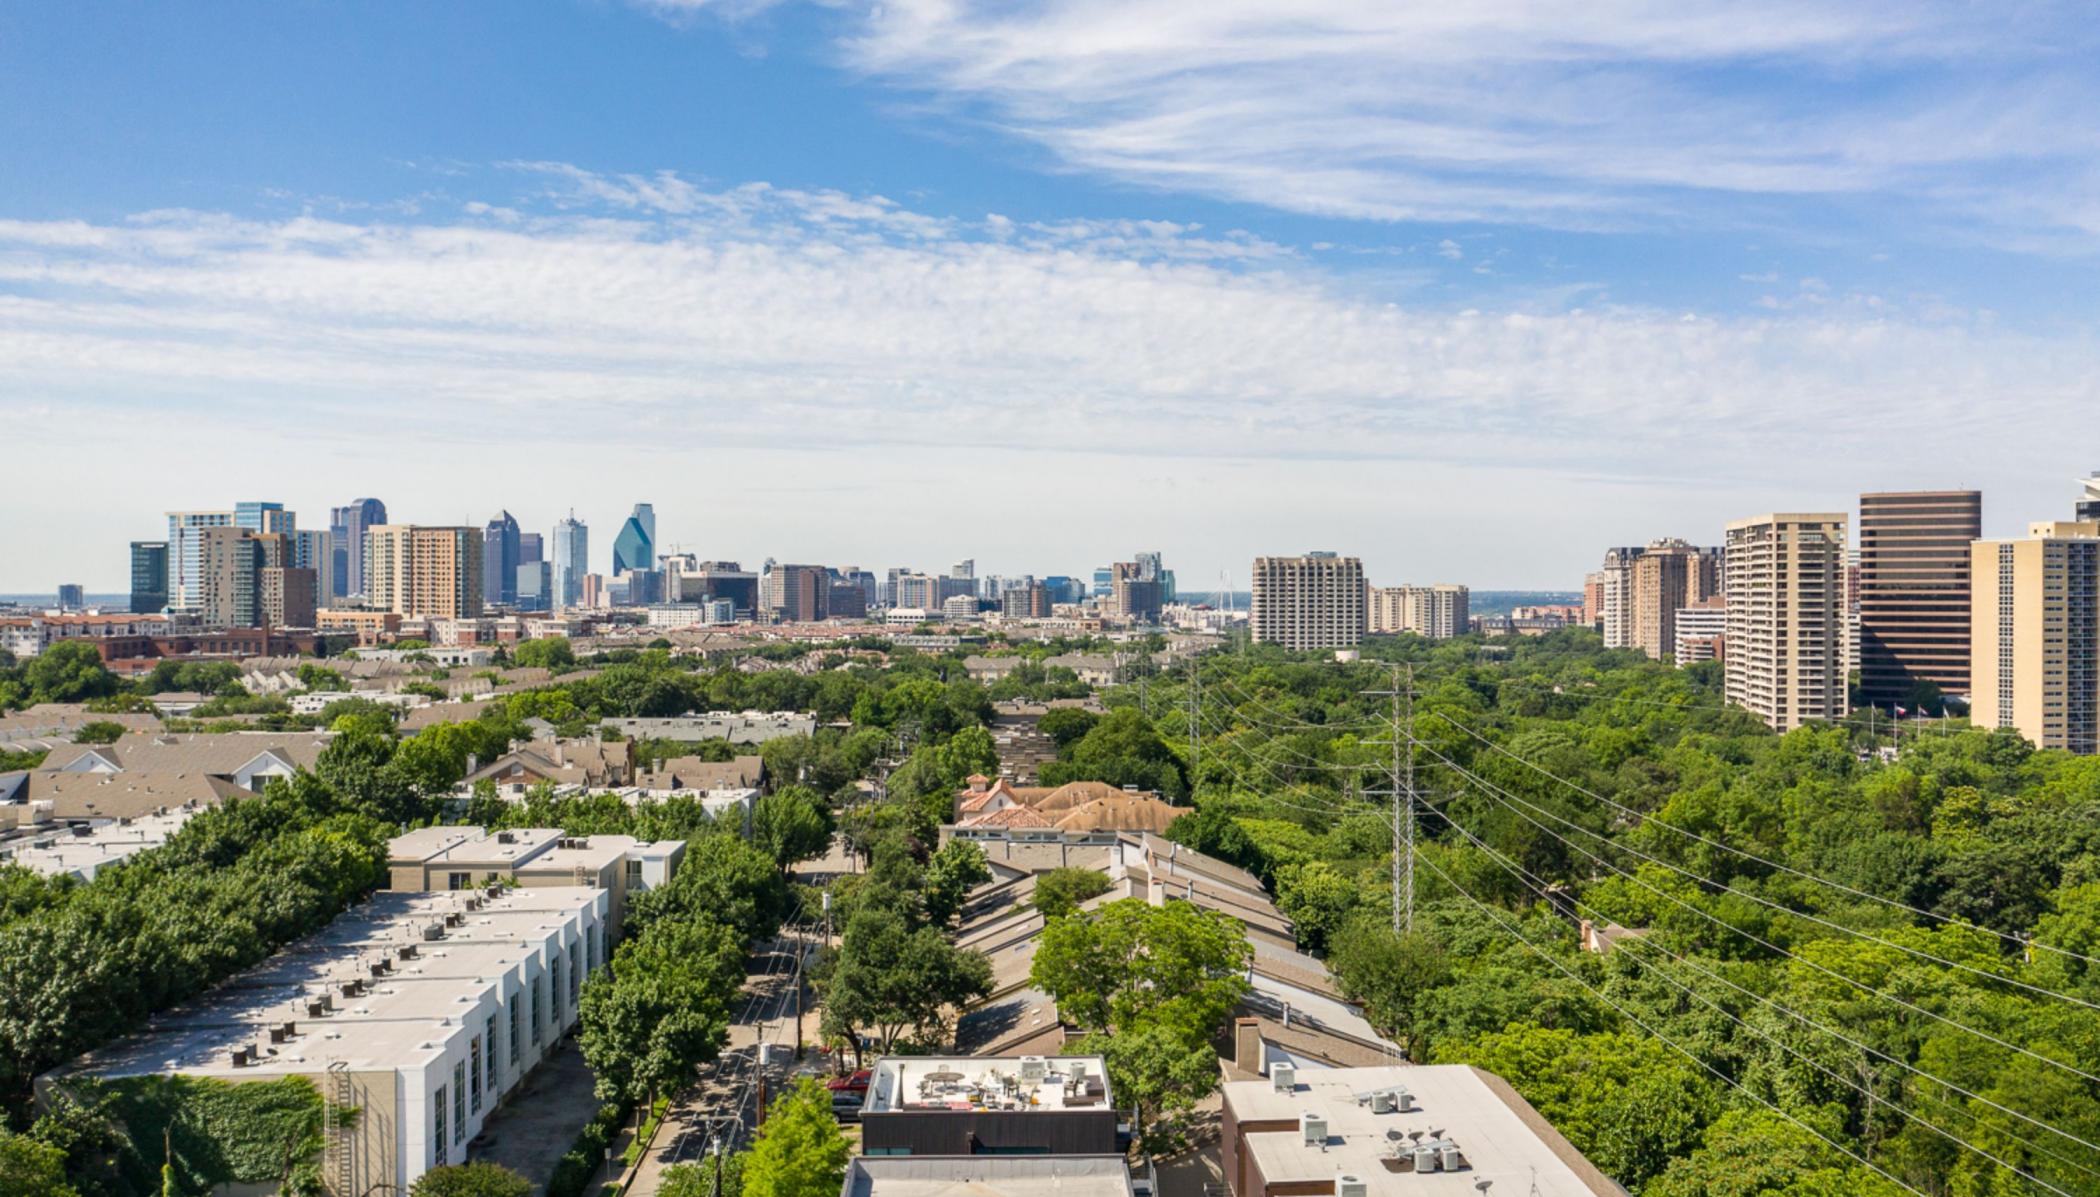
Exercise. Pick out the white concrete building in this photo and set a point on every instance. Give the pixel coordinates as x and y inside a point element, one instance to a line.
<point>423,1010</point>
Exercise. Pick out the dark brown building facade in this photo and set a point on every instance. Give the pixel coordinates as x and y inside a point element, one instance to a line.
<point>1914,592</point>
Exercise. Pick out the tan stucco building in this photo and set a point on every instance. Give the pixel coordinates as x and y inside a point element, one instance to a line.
<point>2035,635</point>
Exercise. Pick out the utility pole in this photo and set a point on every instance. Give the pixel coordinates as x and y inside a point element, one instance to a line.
<point>1195,724</point>
<point>1401,789</point>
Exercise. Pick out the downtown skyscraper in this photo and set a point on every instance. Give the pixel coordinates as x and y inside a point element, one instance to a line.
<point>572,560</point>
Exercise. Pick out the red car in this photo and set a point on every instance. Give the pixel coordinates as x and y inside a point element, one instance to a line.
<point>855,1083</point>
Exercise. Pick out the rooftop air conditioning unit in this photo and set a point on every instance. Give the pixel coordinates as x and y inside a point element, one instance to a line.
<point>1425,1157</point>
<point>473,903</point>
<point>434,931</point>
<point>1384,1101</point>
<point>1034,1068</point>
<point>1078,1070</point>
<point>1315,1127</point>
<point>243,1056</point>
<point>505,837</point>
<point>1346,1185</point>
<point>406,951</point>
<point>314,1009</point>
<point>1284,1077</point>
<point>1448,1154</point>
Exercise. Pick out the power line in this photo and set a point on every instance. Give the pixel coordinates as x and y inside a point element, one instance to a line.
<point>1751,936</point>
<point>1539,886</point>
<point>1626,810</point>
<point>1659,1036</point>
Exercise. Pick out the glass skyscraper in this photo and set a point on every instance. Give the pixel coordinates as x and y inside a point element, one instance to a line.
<point>635,547</point>
<point>572,560</point>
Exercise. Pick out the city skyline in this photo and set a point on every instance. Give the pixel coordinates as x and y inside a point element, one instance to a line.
<point>1410,555</point>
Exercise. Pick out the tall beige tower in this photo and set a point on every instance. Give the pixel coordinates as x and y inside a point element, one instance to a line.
<point>2035,635</point>
<point>1668,575</point>
<point>1309,602</point>
<point>1786,617</point>
<point>424,572</point>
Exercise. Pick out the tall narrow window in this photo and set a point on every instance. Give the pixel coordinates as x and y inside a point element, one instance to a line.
<point>459,1102</point>
<point>516,1052</point>
<point>437,1141</point>
<point>474,1075</point>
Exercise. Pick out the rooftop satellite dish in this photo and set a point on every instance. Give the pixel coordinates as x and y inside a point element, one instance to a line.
<point>1483,1185</point>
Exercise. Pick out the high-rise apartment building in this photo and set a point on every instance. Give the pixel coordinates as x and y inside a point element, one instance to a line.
<point>149,576</point>
<point>1666,576</point>
<point>1914,592</point>
<point>2035,635</point>
<point>1786,617</point>
<point>965,568</point>
<point>1702,631</point>
<point>313,549</point>
<point>535,586</point>
<point>186,556</point>
<point>1309,602</point>
<point>1437,612</point>
<point>346,528</point>
<point>711,581</point>
<point>2089,506</point>
<point>635,546</point>
<point>1026,602</point>
<point>72,596</point>
<point>1136,593</point>
<point>424,572</point>
<point>285,596</point>
<point>799,593</point>
<point>572,560</point>
<point>257,516</point>
<point>501,551</point>
<point>227,565</point>
<point>917,592</point>
<point>1593,599</point>
<point>1615,595</point>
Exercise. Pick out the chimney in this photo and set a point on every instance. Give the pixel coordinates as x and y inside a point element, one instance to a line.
<point>1246,1045</point>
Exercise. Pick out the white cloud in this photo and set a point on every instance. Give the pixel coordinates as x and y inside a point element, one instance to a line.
<point>1619,114</point>
<point>650,311</point>
<point>1447,248</point>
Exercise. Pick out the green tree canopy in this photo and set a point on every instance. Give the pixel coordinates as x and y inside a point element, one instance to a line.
<point>479,1178</point>
<point>800,1151</point>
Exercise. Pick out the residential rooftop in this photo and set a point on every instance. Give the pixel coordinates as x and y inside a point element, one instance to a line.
<point>987,1176</point>
<point>1035,1083</point>
<point>1375,1124</point>
<point>379,1020</point>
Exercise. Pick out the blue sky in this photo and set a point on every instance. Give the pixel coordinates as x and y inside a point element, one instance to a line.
<point>1360,276</point>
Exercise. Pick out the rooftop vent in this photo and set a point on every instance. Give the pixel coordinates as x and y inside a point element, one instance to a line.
<point>1315,1127</point>
<point>1284,1077</point>
<point>505,837</point>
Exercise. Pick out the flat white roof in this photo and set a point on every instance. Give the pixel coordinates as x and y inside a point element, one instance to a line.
<point>403,1017</point>
<point>988,1082</point>
<point>1500,1137</point>
<point>60,848</point>
<point>988,1176</point>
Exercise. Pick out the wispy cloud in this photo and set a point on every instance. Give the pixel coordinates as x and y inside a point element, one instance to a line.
<point>1614,115</point>
<point>616,306</point>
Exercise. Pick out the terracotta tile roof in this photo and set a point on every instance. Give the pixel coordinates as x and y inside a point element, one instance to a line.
<point>1011,816</point>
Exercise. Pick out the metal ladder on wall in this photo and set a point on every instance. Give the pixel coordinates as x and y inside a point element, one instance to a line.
<point>335,1129</point>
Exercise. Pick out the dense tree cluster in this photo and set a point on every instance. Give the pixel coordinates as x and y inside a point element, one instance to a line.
<point>1827,972</point>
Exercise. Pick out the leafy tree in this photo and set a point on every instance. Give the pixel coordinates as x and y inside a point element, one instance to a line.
<point>723,878</point>
<point>894,979</point>
<point>1066,726</point>
<point>662,1009</point>
<point>1158,982</point>
<point>791,824</point>
<point>101,731</point>
<point>1318,899</point>
<point>956,869</point>
<point>1123,749</point>
<point>1389,974</point>
<point>1130,963</point>
<point>551,652</point>
<point>32,1169</point>
<point>700,1180</point>
<point>69,671</point>
<point>479,1178</point>
<point>1059,892</point>
<point>800,1151</point>
<point>1754,1152</point>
